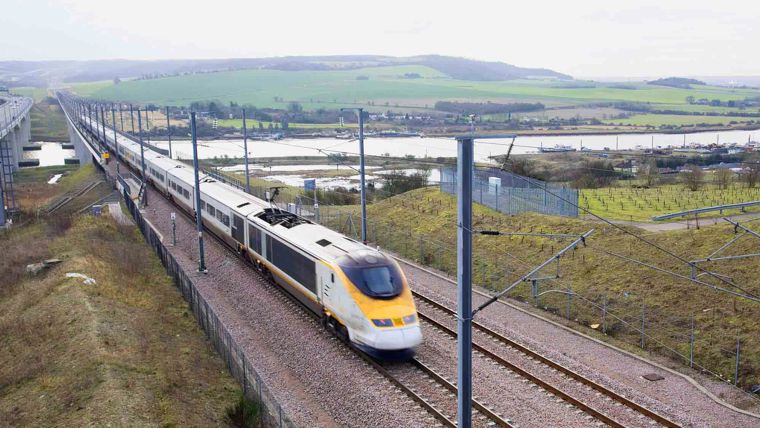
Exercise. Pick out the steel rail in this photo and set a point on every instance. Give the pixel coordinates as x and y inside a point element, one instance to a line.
<point>452,388</point>
<point>535,355</point>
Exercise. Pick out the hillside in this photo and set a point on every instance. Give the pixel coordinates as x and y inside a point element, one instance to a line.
<point>38,73</point>
<point>677,82</point>
<point>383,88</point>
<point>597,278</point>
<point>120,351</point>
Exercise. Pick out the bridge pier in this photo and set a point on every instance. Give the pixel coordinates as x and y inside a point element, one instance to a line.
<point>15,132</point>
<point>80,149</point>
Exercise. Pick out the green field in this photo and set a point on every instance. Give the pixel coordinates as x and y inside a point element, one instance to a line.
<point>678,120</point>
<point>331,89</point>
<point>626,203</point>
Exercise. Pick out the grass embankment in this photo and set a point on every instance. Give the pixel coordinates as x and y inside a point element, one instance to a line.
<point>639,204</point>
<point>421,225</point>
<point>48,120</point>
<point>125,351</point>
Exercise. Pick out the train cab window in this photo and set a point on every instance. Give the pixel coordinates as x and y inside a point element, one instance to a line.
<point>372,275</point>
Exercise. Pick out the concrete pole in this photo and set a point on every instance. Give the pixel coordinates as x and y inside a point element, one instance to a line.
<point>169,132</point>
<point>115,140</point>
<point>2,195</point>
<point>198,220</point>
<point>245,148</point>
<point>132,117</point>
<point>103,119</point>
<point>147,123</point>
<point>142,147</point>
<point>361,174</point>
<point>464,282</point>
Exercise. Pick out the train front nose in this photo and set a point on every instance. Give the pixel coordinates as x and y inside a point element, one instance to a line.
<point>393,344</point>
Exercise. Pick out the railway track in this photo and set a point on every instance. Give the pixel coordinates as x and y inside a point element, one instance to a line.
<point>598,401</point>
<point>63,201</point>
<point>415,379</point>
<point>438,396</point>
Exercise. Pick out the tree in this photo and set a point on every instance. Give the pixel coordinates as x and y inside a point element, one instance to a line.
<point>295,107</point>
<point>690,99</point>
<point>752,174</point>
<point>650,173</point>
<point>692,177</point>
<point>116,80</point>
<point>723,177</point>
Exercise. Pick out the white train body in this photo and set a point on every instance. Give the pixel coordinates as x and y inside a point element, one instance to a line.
<point>360,292</point>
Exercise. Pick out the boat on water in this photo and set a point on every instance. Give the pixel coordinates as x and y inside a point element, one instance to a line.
<point>558,148</point>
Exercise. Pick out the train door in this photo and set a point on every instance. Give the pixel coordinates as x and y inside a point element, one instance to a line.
<point>238,228</point>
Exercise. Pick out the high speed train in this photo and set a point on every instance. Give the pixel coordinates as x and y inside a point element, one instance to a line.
<point>360,293</point>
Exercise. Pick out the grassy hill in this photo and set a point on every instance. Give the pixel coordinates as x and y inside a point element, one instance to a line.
<point>383,88</point>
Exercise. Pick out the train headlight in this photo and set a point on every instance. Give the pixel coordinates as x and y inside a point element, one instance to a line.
<point>383,322</point>
<point>410,319</point>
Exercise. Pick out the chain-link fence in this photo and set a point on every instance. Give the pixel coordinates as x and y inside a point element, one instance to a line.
<point>511,193</point>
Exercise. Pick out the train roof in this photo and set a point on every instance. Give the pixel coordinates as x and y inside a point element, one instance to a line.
<point>320,241</point>
<point>240,202</point>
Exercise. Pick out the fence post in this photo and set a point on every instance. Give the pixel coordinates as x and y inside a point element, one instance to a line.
<point>643,323</point>
<point>738,356</point>
<point>604,315</point>
<point>497,196</point>
<point>691,343</point>
<point>569,300</point>
<point>421,249</point>
<point>534,291</point>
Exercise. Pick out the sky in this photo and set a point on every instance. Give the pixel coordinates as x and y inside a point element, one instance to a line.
<point>586,38</point>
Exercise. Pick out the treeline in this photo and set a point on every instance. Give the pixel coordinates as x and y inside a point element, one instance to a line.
<point>486,108</point>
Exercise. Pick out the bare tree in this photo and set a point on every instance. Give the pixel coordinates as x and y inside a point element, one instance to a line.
<point>723,177</point>
<point>752,174</point>
<point>692,177</point>
<point>650,173</point>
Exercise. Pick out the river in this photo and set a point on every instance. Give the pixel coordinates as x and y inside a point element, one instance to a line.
<point>446,147</point>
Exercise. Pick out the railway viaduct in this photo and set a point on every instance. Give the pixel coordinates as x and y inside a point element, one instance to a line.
<point>15,131</point>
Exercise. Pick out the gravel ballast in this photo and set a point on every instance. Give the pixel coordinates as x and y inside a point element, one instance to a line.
<point>673,396</point>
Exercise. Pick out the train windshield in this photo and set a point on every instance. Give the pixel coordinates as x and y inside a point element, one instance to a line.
<point>376,281</point>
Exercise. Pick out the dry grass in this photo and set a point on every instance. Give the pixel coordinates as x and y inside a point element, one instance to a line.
<point>123,352</point>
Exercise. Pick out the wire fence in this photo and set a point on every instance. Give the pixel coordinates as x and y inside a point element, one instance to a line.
<point>511,194</point>
<point>706,341</point>
<point>238,364</point>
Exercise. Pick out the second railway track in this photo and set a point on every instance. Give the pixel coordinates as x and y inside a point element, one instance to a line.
<point>413,378</point>
<point>598,401</point>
